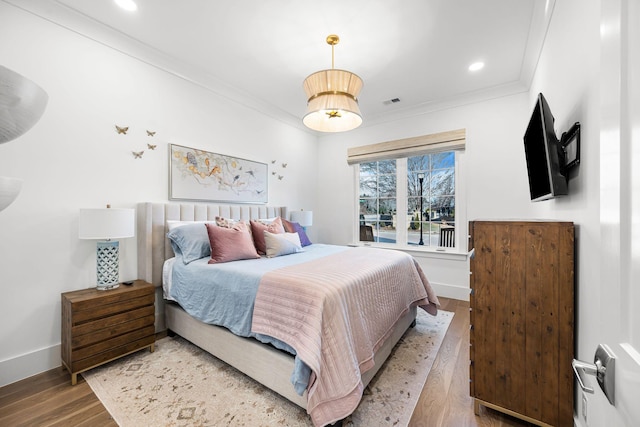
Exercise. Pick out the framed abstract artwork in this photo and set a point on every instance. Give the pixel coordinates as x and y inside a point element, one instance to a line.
<point>211,177</point>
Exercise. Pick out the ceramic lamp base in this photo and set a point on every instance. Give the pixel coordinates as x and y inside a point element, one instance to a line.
<point>108,268</point>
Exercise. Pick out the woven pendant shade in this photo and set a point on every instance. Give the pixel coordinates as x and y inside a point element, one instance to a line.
<point>332,98</point>
<point>22,103</point>
<point>332,101</point>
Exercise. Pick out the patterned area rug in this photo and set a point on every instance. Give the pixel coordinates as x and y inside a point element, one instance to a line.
<point>181,385</point>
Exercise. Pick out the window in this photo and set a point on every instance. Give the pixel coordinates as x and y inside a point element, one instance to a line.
<point>378,201</point>
<point>434,197</point>
<point>407,189</point>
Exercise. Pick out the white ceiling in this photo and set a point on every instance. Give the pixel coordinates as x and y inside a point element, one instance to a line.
<point>258,52</point>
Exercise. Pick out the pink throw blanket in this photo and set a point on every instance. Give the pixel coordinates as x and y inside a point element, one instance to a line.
<point>336,312</point>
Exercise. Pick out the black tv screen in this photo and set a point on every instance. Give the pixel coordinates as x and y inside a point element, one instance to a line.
<point>544,155</point>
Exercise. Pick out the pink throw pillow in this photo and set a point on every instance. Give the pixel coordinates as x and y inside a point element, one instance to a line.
<point>230,244</point>
<point>257,230</point>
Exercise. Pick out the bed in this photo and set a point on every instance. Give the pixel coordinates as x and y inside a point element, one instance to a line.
<point>265,363</point>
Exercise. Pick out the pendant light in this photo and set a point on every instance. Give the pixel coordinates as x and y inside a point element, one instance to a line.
<point>22,103</point>
<point>332,98</point>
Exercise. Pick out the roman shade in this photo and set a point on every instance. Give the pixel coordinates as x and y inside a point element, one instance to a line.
<point>415,146</point>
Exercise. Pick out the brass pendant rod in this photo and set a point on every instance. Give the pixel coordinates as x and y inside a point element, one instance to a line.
<point>333,40</point>
<point>332,57</point>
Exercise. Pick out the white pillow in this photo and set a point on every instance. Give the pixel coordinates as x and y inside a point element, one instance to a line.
<point>267,220</point>
<point>281,244</point>
<point>172,223</point>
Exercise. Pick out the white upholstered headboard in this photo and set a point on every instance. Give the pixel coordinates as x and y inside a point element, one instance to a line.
<point>154,247</point>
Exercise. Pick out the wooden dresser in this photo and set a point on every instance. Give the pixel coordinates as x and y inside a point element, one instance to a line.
<point>522,317</point>
<point>100,326</point>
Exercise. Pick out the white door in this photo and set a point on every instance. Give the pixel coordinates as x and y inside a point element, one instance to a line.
<point>619,213</point>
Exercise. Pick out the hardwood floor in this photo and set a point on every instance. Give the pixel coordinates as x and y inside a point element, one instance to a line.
<point>49,399</point>
<point>445,399</point>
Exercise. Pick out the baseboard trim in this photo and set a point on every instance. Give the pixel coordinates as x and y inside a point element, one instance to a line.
<point>451,291</point>
<point>30,364</point>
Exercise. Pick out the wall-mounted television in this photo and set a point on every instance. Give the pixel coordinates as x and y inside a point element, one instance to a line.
<point>549,159</point>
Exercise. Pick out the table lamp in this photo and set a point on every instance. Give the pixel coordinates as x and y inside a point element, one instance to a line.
<point>304,218</point>
<point>104,225</point>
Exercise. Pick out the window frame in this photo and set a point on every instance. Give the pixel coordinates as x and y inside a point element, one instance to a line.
<point>402,204</point>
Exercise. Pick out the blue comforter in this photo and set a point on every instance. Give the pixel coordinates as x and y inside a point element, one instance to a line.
<point>223,294</point>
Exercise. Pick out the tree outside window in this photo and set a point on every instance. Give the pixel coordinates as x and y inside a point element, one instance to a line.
<point>378,201</point>
<point>438,196</point>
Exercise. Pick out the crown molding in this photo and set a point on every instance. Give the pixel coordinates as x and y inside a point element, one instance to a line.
<point>65,17</point>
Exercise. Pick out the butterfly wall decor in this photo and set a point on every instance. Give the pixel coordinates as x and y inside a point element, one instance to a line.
<point>275,173</point>
<point>122,130</point>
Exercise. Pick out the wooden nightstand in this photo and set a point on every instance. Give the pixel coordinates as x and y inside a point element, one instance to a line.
<point>100,326</point>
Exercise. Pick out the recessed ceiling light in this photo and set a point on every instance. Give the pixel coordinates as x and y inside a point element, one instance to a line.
<point>128,5</point>
<point>476,66</point>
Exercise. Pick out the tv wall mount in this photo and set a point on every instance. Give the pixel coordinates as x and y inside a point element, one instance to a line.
<point>570,144</point>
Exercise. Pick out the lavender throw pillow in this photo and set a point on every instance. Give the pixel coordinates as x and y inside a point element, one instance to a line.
<point>294,227</point>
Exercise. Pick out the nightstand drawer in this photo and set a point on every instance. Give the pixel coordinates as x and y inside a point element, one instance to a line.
<point>93,332</point>
<point>111,354</point>
<point>86,299</point>
<point>125,306</point>
<point>109,322</point>
<point>107,345</point>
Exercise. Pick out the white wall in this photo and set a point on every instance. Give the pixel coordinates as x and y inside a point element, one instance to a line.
<point>73,159</point>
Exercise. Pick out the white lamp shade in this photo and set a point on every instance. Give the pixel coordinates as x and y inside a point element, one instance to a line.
<point>107,223</point>
<point>304,218</point>
<point>9,189</point>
